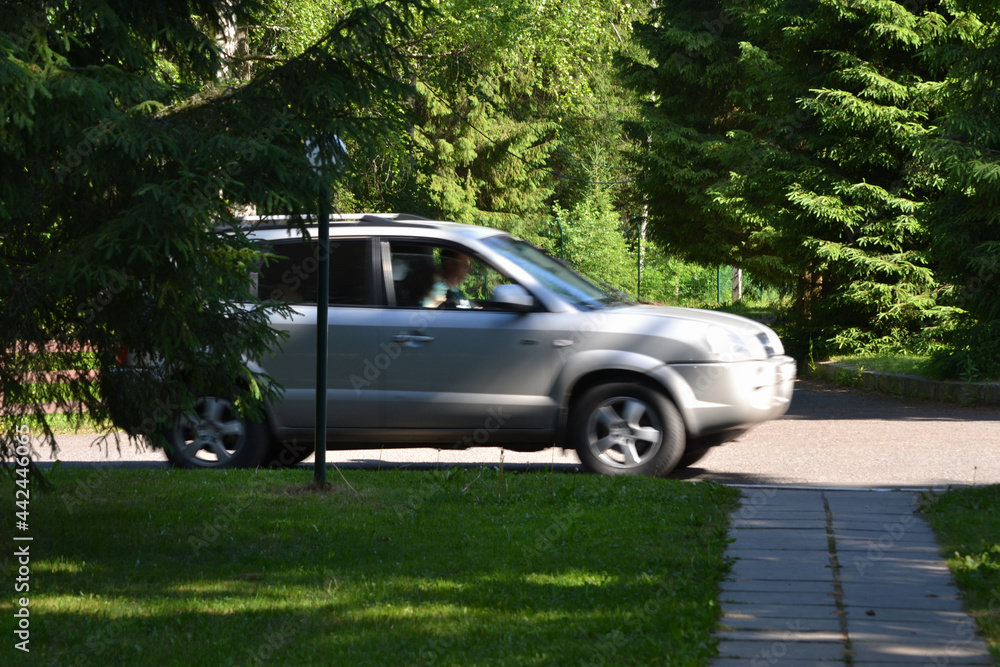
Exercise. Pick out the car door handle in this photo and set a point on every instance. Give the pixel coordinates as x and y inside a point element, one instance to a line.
<point>412,340</point>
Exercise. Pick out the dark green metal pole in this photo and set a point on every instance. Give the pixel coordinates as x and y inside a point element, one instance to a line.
<point>322,333</point>
<point>638,263</point>
<point>562,252</point>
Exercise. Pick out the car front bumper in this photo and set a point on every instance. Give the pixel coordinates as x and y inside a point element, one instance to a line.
<point>715,397</point>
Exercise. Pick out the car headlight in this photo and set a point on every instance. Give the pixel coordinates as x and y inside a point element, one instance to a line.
<point>729,345</point>
<point>776,347</point>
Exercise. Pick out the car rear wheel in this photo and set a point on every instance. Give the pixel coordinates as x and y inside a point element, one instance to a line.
<point>287,453</point>
<point>627,429</point>
<point>215,435</point>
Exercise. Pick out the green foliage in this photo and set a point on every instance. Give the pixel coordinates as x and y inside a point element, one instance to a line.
<point>972,353</point>
<point>780,139</point>
<point>593,242</point>
<point>967,527</point>
<point>511,101</point>
<point>124,149</point>
<point>964,151</point>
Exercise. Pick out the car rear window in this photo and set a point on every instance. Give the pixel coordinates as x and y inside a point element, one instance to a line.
<point>290,275</point>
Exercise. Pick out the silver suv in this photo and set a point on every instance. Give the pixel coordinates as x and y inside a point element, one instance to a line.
<point>455,335</point>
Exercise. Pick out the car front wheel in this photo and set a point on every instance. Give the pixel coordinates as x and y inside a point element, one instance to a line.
<point>215,435</point>
<point>627,429</point>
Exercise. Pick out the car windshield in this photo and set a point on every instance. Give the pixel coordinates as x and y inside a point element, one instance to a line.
<point>554,274</point>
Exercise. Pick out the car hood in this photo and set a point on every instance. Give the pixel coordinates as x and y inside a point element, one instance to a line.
<point>697,315</point>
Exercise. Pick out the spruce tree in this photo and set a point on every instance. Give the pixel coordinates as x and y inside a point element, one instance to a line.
<point>779,138</point>
<point>964,151</point>
<point>125,147</point>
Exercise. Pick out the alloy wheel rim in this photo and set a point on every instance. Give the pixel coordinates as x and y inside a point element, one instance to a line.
<point>624,432</point>
<point>211,434</point>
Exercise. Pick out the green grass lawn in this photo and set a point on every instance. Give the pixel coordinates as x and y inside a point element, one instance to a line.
<point>61,424</point>
<point>468,567</point>
<point>967,526</point>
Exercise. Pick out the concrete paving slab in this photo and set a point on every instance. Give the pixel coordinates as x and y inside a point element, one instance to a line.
<point>846,502</point>
<point>899,604</point>
<point>869,506</point>
<point>791,499</point>
<point>887,538</point>
<point>779,635</point>
<point>780,539</point>
<point>777,610</point>
<point>770,555</point>
<point>748,585</point>
<point>781,571</point>
<point>945,617</point>
<point>860,567</point>
<point>803,522</point>
<point>881,549</point>
<point>889,592</point>
<point>866,569</point>
<point>915,631</point>
<point>777,597</point>
<point>963,662</point>
<point>784,662</point>
<point>778,509</point>
<point>894,522</point>
<point>929,586</point>
<point>808,624</point>
<point>778,652</point>
<point>917,655</point>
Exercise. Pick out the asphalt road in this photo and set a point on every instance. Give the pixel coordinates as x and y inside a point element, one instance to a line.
<point>830,437</point>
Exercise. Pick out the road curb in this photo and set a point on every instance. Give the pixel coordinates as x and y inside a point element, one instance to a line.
<point>911,386</point>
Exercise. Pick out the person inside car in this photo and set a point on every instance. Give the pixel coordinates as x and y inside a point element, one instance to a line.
<point>447,292</point>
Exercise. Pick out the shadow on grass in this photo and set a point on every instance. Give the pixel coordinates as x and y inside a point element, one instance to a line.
<point>455,567</point>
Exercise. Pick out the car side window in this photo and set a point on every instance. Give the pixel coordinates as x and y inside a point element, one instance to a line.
<point>428,275</point>
<point>290,274</point>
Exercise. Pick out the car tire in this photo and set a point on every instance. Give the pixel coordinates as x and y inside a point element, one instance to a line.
<point>692,454</point>
<point>287,453</point>
<point>214,435</point>
<point>627,429</point>
<point>697,448</point>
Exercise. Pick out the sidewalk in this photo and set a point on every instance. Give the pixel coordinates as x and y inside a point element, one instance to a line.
<point>840,577</point>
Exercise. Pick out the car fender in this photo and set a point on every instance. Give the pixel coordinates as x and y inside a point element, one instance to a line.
<point>606,362</point>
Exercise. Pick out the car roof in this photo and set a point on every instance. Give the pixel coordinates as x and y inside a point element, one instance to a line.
<point>370,224</point>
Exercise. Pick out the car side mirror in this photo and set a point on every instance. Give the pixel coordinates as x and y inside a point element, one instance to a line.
<point>513,297</point>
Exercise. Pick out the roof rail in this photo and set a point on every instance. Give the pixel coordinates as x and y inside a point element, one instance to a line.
<point>280,221</point>
<point>396,217</point>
